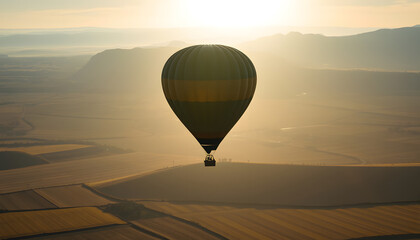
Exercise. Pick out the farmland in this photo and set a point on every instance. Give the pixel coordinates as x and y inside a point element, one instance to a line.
<point>173,229</point>
<point>52,197</point>
<point>259,222</point>
<point>204,220</point>
<point>13,159</point>
<point>23,200</point>
<point>71,196</point>
<point>18,224</point>
<point>105,233</point>
<point>185,220</point>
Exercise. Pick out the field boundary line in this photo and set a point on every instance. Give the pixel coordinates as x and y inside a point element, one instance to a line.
<point>46,199</point>
<point>191,223</point>
<point>407,236</point>
<point>107,182</point>
<point>70,231</point>
<point>33,189</point>
<point>199,226</point>
<point>101,194</point>
<point>147,231</point>
<point>270,206</point>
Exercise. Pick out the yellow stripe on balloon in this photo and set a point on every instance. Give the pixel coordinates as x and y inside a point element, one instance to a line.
<point>209,91</point>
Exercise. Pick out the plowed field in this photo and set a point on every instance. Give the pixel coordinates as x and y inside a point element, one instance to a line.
<point>72,196</point>
<point>281,223</point>
<point>25,200</point>
<point>103,233</point>
<point>173,229</point>
<point>18,224</point>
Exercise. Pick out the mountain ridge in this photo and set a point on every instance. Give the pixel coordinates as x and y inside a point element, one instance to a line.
<point>386,49</point>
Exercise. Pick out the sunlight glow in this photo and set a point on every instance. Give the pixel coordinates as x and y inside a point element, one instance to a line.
<point>239,13</point>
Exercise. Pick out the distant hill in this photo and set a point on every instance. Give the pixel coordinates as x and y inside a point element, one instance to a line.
<point>273,184</point>
<point>287,65</point>
<point>13,159</point>
<point>135,70</point>
<point>138,70</point>
<point>386,49</point>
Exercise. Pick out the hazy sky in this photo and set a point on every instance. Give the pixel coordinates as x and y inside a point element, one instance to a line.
<point>219,13</point>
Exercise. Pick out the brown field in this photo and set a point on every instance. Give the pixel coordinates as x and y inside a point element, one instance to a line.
<point>18,224</point>
<point>72,196</point>
<point>172,229</point>
<point>13,160</point>
<point>86,170</point>
<point>243,222</point>
<point>105,233</point>
<point>42,149</point>
<point>290,185</point>
<point>24,200</point>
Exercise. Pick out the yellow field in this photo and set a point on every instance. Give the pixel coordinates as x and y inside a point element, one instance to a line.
<point>173,229</point>
<point>103,233</point>
<point>72,196</point>
<point>280,223</point>
<point>35,150</point>
<point>18,224</point>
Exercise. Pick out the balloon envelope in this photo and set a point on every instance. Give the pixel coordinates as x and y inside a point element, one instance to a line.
<point>209,87</point>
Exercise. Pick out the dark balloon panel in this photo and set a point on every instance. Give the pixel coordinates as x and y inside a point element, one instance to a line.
<point>209,87</point>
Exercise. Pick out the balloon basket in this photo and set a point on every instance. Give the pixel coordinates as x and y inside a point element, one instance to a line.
<point>209,161</point>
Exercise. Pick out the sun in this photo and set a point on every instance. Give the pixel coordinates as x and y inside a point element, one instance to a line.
<point>239,13</point>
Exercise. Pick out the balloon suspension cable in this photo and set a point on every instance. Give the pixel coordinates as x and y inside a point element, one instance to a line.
<point>209,161</point>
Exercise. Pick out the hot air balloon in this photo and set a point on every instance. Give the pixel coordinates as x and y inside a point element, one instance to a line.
<point>209,87</point>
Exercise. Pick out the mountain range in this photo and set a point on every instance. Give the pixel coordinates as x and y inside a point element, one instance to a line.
<point>287,65</point>
<point>384,49</point>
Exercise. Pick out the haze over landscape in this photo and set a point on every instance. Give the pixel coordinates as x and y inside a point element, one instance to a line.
<point>328,148</point>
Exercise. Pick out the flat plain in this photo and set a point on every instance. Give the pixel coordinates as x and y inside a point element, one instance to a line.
<point>302,129</point>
